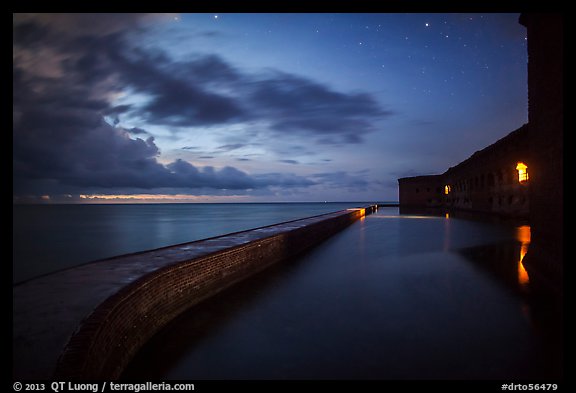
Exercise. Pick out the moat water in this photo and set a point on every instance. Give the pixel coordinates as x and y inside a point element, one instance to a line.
<point>393,296</point>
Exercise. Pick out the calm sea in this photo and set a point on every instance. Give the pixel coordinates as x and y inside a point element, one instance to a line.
<point>47,238</point>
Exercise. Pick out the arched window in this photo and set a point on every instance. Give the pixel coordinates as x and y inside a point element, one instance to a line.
<point>522,172</point>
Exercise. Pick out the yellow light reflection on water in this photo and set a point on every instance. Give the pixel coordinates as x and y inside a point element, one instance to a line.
<point>523,236</point>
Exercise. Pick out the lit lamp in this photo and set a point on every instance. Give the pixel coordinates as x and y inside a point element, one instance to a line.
<point>522,172</point>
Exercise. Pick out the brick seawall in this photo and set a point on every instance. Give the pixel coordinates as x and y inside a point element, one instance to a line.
<point>88,322</point>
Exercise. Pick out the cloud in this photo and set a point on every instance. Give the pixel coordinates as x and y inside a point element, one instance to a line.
<point>206,90</point>
<point>62,144</point>
<point>97,24</point>
<point>136,131</point>
<point>297,104</point>
<point>183,174</point>
<point>86,152</point>
<point>232,146</point>
<point>101,156</point>
<point>68,133</point>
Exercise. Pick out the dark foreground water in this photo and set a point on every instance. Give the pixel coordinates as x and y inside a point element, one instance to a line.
<point>390,297</point>
<point>47,238</point>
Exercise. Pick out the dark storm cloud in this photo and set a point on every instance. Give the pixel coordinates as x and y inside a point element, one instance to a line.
<point>30,34</point>
<point>182,96</point>
<point>191,93</point>
<point>113,114</point>
<point>300,105</point>
<point>137,131</point>
<point>180,93</point>
<point>97,24</point>
<point>207,90</point>
<point>183,174</point>
<point>82,150</point>
<point>70,147</point>
<point>210,68</point>
<point>66,69</point>
<point>104,157</point>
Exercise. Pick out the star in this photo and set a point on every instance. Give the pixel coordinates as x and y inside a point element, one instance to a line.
<point>427,24</point>
<point>215,16</point>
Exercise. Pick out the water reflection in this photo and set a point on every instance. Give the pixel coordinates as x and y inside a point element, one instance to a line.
<point>523,236</point>
<point>447,233</point>
<point>500,261</point>
<point>503,260</point>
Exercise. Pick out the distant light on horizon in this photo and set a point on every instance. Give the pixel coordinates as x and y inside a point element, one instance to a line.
<point>163,198</point>
<point>138,196</point>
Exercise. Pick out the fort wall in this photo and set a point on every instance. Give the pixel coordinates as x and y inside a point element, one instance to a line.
<point>488,181</point>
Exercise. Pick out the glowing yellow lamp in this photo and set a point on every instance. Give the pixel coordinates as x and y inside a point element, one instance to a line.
<point>522,172</point>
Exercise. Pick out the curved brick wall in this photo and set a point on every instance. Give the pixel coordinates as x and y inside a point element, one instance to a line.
<point>111,335</point>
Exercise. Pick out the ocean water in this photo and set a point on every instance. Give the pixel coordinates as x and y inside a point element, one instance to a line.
<point>48,238</point>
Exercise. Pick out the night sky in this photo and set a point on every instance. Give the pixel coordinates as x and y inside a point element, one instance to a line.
<point>256,107</point>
